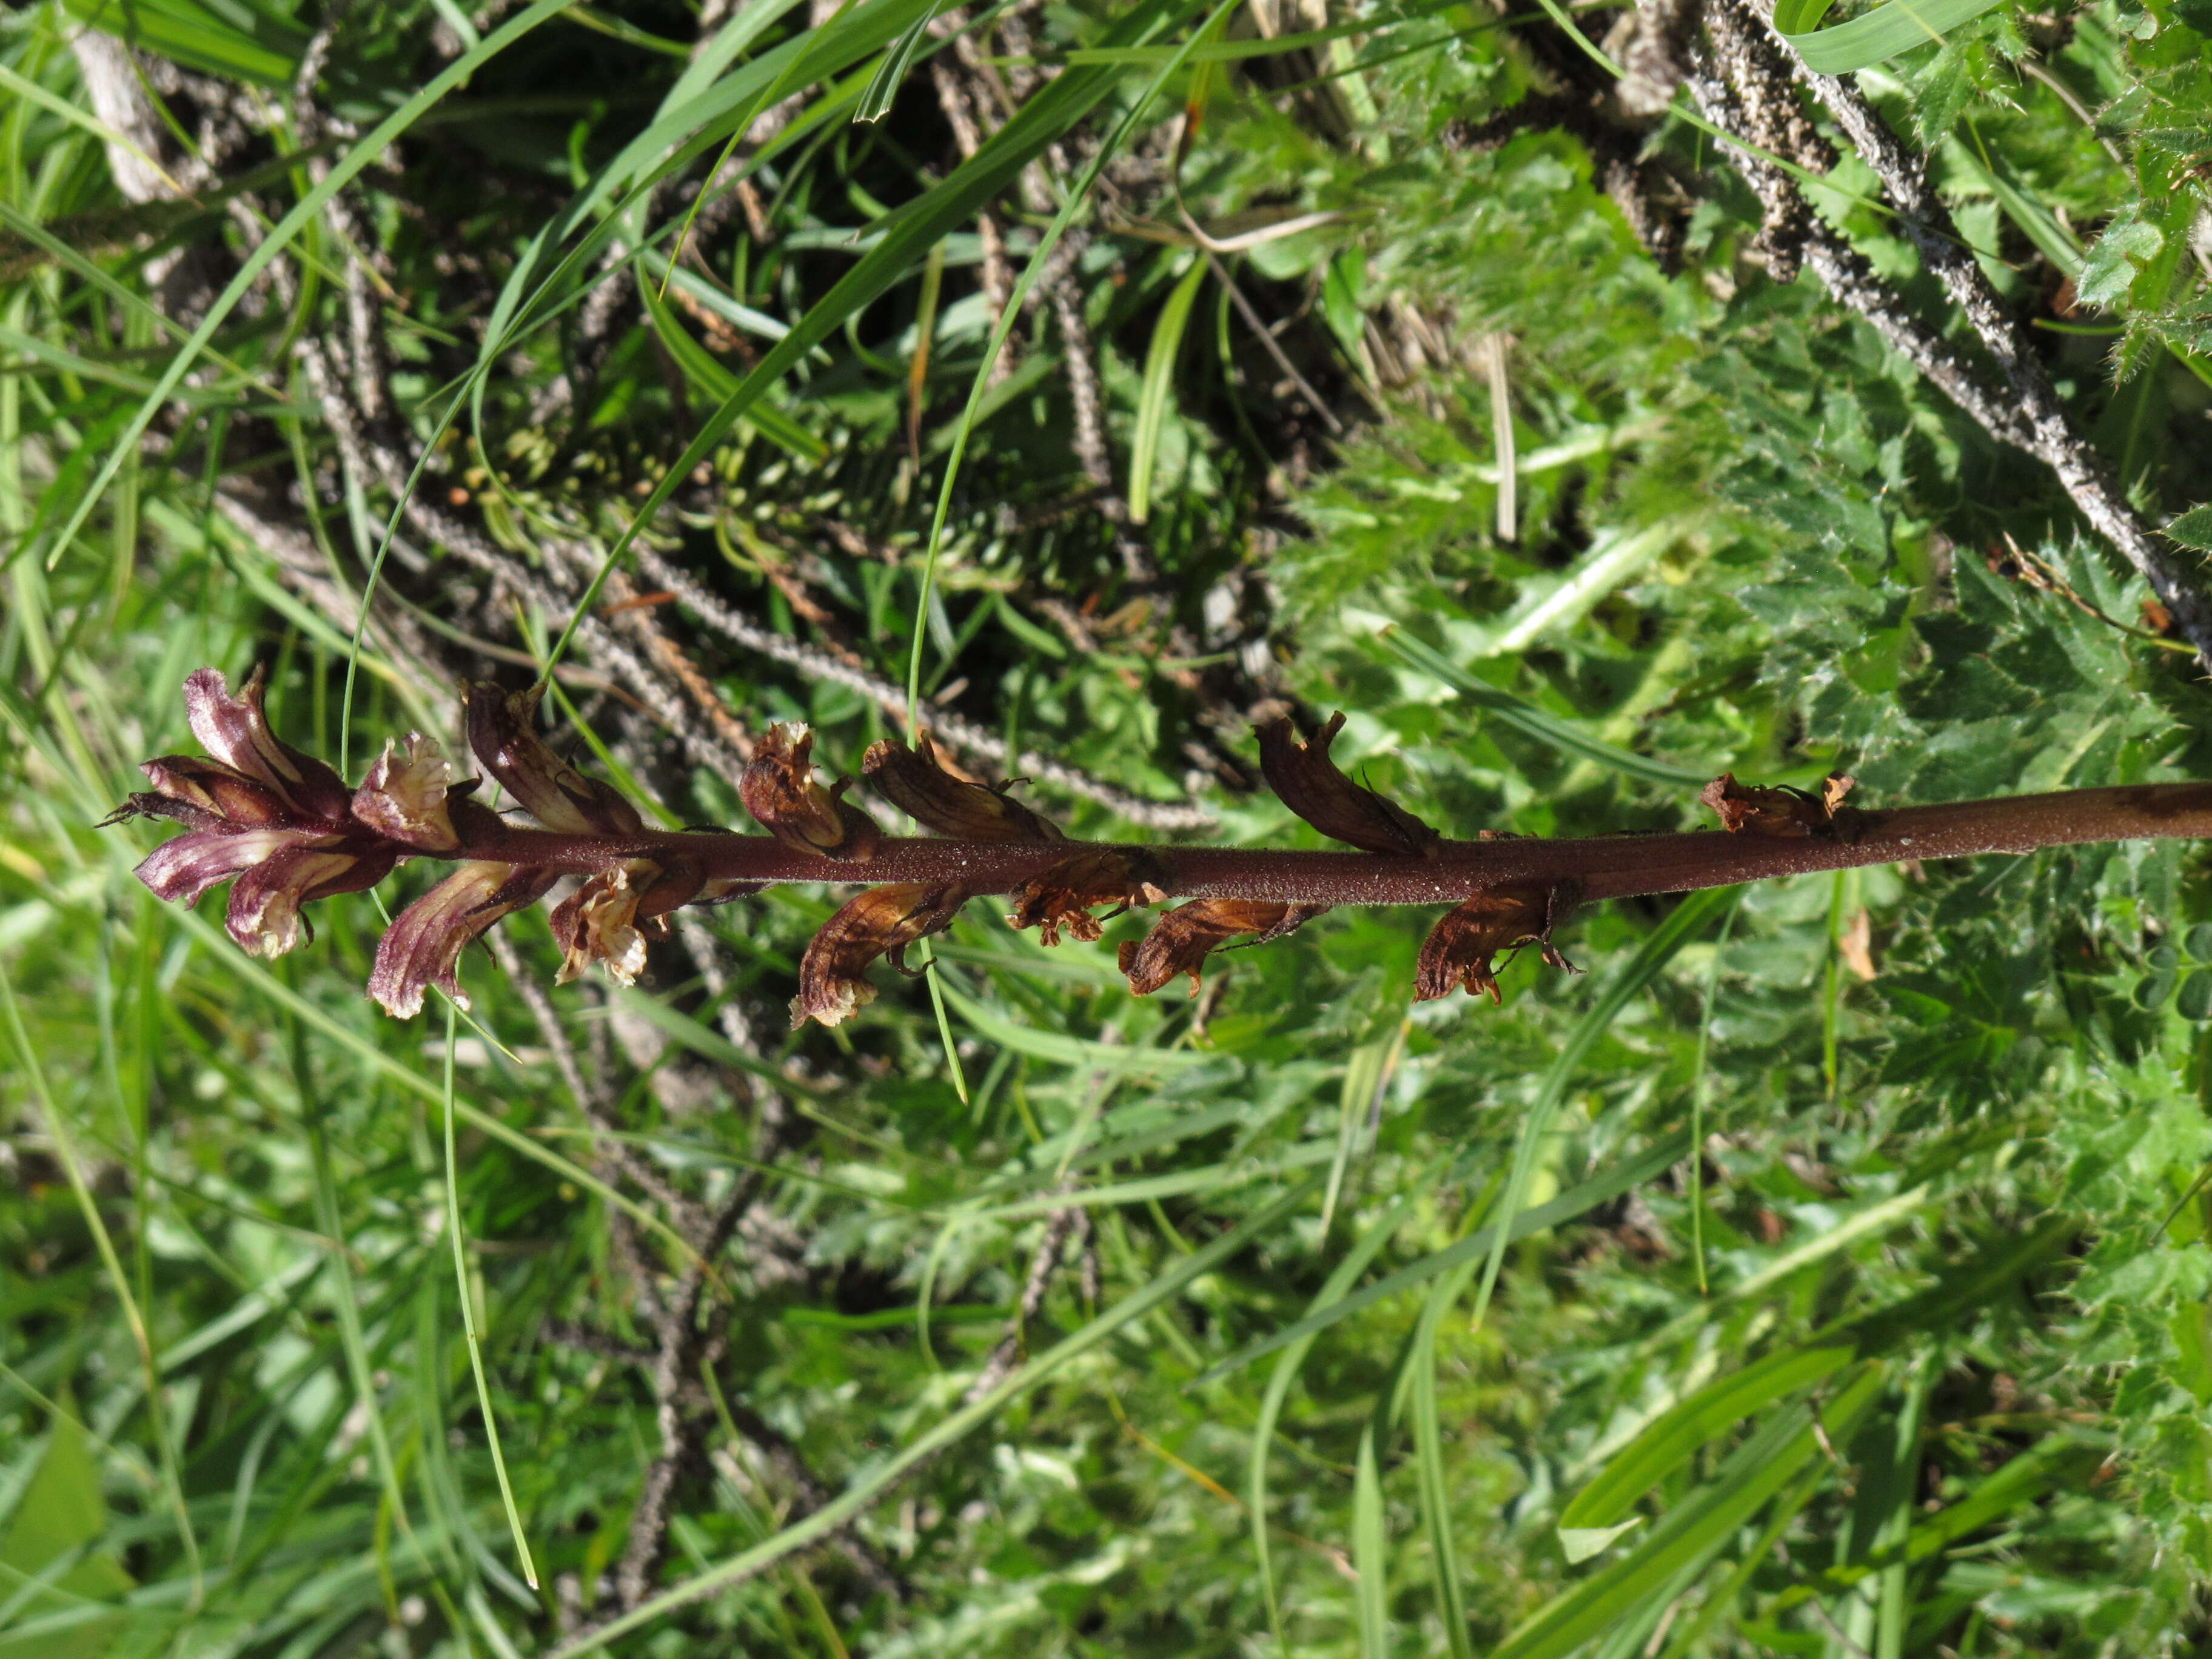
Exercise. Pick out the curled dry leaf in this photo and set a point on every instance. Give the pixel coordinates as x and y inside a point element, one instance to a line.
<point>1064,896</point>
<point>915,782</point>
<point>556,794</point>
<point>1181,939</point>
<point>1311,785</point>
<point>778,789</point>
<point>1747,810</point>
<point>1460,950</point>
<point>882,922</point>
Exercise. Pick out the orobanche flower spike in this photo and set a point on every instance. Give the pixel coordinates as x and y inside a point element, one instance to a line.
<point>284,829</point>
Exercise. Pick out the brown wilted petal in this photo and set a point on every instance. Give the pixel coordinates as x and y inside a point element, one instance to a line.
<point>916,782</point>
<point>1460,948</point>
<point>424,944</point>
<point>1783,812</point>
<point>265,899</point>
<point>404,796</point>
<point>1310,785</point>
<point>778,789</point>
<point>1064,896</point>
<point>235,731</point>
<point>550,790</point>
<point>882,922</point>
<point>1181,939</point>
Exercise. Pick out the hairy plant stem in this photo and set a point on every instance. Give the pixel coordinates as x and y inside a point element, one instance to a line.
<point>1607,866</point>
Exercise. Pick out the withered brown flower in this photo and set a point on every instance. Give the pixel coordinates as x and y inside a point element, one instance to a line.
<point>882,922</point>
<point>257,810</point>
<point>1459,950</point>
<point>1183,937</point>
<point>778,789</point>
<point>1310,785</point>
<point>915,782</point>
<point>423,945</point>
<point>1064,896</point>
<point>1748,809</point>
<point>556,794</point>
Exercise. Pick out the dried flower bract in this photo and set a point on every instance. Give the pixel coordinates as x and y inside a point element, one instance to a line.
<point>778,789</point>
<point>1460,950</point>
<point>915,782</point>
<point>1311,785</point>
<point>1064,896</point>
<point>1745,810</point>
<point>550,789</point>
<point>882,922</point>
<point>1181,939</point>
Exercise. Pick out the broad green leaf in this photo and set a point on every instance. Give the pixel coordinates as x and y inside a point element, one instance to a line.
<point>1891,27</point>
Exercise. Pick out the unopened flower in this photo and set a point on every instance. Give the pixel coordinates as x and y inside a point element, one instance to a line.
<point>1311,785</point>
<point>881,922</point>
<point>1744,810</point>
<point>1461,949</point>
<point>550,789</point>
<point>1064,896</point>
<point>915,782</point>
<point>259,812</point>
<point>404,796</point>
<point>1181,939</point>
<point>779,789</point>
<point>424,943</point>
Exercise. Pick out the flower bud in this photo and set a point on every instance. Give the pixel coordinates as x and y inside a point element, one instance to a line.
<point>235,731</point>
<point>778,789</point>
<point>1181,939</point>
<point>882,922</point>
<point>1782,812</point>
<point>1310,785</point>
<point>915,782</point>
<point>404,796</point>
<point>1458,952</point>
<point>550,789</point>
<point>1064,896</point>
<point>423,945</point>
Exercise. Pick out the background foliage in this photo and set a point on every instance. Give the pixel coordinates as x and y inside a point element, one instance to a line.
<point>1858,1304</point>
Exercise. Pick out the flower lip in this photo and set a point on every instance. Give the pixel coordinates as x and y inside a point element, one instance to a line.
<point>405,794</point>
<point>423,945</point>
<point>1311,785</point>
<point>916,782</point>
<point>778,789</point>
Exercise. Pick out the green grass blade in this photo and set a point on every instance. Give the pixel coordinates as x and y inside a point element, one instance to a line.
<point>462,1289</point>
<point>1893,27</point>
<point>1529,719</point>
<point>1370,1551</point>
<point>343,171</point>
<point>1689,919</point>
<point>1160,358</point>
<point>858,1497</point>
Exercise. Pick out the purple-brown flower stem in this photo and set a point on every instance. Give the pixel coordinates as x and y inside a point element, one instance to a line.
<point>1607,866</point>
